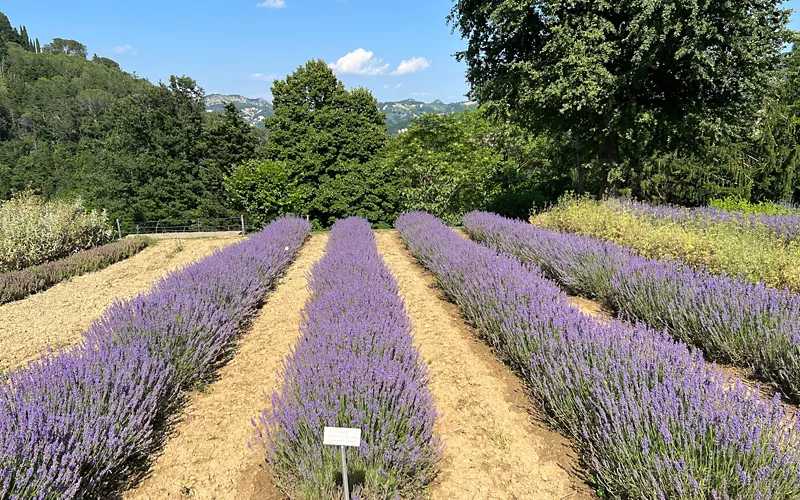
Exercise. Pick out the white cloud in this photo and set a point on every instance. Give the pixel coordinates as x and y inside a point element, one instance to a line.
<point>388,86</point>
<point>359,62</point>
<point>412,66</point>
<point>262,77</point>
<point>125,49</point>
<point>272,4</point>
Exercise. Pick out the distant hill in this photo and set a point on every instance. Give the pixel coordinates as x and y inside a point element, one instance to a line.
<point>399,114</point>
<point>253,110</point>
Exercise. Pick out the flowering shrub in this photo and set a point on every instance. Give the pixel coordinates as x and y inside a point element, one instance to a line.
<point>78,423</point>
<point>774,220</point>
<point>732,320</point>
<point>652,419</point>
<point>751,251</point>
<point>33,231</point>
<point>354,366</point>
<point>16,285</point>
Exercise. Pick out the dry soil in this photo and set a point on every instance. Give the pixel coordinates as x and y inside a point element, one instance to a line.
<point>495,445</point>
<point>207,457</point>
<point>58,317</point>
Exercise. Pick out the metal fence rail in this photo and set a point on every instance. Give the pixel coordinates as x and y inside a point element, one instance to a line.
<point>237,224</point>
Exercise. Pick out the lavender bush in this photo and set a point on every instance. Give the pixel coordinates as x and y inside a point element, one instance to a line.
<point>732,320</point>
<point>751,252</point>
<point>652,419</point>
<point>78,423</point>
<point>785,226</point>
<point>354,366</point>
<point>16,285</point>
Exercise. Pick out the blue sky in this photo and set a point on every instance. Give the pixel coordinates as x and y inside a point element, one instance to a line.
<point>237,47</point>
<point>398,50</point>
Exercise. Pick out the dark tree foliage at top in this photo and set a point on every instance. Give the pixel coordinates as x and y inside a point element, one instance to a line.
<point>328,137</point>
<point>8,34</point>
<point>228,141</point>
<point>625,77</point>
<point>109,63</point>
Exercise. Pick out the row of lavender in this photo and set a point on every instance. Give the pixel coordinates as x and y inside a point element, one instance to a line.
<point>16,285</point>
<point>652,419</point>
<point>78,423</point>
<point>354,366</point>
<point>732,320</point>
<point>785,226</point>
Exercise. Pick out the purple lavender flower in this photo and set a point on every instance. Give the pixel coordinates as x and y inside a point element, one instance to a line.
<point>16,285</point>
<point>653,420</point>
<point>732,320</point>
<point>355,365</point>
<point>78,423</point>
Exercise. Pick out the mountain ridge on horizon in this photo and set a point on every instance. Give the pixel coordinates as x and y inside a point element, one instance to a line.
<point>399,114</point>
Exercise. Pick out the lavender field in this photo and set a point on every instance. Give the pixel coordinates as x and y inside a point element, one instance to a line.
<point>641,410</point>
<point>80,422</point>
<point>732,320</point>
<point>355,365</point>
<point>646,410</point>
<point>449,250</point>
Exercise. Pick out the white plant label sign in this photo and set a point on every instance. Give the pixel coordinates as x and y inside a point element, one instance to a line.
<point>341,436</point>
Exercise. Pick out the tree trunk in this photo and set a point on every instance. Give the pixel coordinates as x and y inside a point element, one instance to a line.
<point>609,157</point>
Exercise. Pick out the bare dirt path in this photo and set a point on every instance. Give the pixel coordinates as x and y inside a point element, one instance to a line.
<point>591,308</point>
<point>494,447</point>
<point>207,457</point>
<point>58,317</point>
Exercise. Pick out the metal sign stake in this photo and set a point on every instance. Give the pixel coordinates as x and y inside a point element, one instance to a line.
<point>341,437</point>
<point>345,483</point>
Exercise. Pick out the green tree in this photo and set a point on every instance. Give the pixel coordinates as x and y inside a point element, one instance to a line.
<point>228,141</point>
<point>109,63</point>
<point>66,46</point>
<point>7,32</point>
<point>265,190</point>
<point>760,165</point>
<point>69,126</point>
<point>625,78</point>
<point>775,149</point>
<point>451,164</point>
<point>145,161</point>
<point>7,35</point>
<point>324,133</point>
<point>25,40</point>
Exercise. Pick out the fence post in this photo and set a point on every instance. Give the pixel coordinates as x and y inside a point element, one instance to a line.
<point>243,229</point>
<point>119,230</point>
